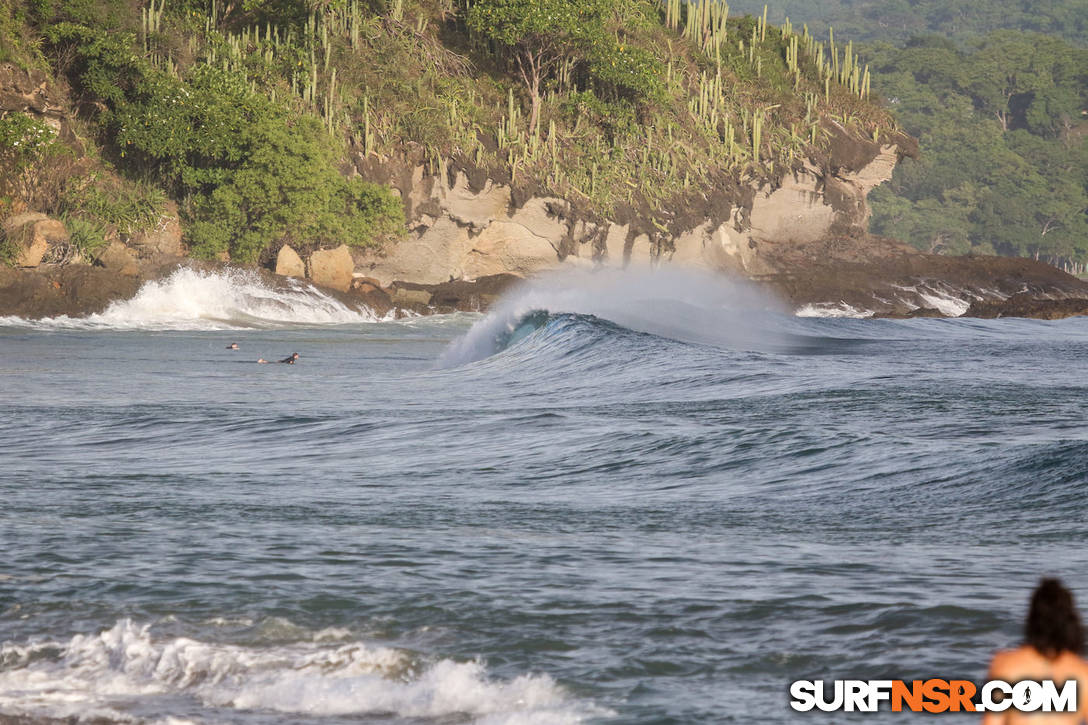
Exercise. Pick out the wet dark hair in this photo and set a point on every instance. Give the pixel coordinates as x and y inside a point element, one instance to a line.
<point>1053,625</point>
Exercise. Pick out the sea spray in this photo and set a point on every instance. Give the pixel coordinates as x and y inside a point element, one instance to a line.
<point>675,303</point>
<point>107,674</point>
<point>191,299</point>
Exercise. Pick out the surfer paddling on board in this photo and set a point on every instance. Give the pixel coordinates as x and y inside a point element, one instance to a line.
<point>1053,641</point>
<point>232,346</point>
<point>289,360</point>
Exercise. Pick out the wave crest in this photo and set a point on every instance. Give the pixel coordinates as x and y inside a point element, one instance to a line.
<point>674,303</point>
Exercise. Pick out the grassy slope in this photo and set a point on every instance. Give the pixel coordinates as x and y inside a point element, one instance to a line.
<point>410,83</point>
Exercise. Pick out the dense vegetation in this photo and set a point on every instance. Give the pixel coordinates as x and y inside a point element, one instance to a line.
<point>246,112</point>
<point>1000,116</point>
<point>243,111</point>
<point>252,171</point>
<point>894,21</point>
<point>1005,147</point>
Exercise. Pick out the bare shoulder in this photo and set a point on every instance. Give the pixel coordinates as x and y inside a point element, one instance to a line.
<point>1009,660</point>
<point>1076,664</point>
<point>1022,663</point>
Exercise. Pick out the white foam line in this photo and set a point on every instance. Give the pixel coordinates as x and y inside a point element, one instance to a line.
<point>190,299</point>
<point>107,674</point>
<point>829,309</point>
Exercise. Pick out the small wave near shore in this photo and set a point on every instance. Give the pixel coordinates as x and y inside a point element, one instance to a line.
<point>191,299</point>
<point>119,673</point>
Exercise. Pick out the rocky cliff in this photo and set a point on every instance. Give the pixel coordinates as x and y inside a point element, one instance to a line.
<point>464,230</point>
<point>805,237</point>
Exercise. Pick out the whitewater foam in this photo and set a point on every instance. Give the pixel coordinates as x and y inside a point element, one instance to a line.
<point>947,300</point>
<point>676,303</point>
<point>191,299</point>
<point>124,669</point>
<point>826,309</point>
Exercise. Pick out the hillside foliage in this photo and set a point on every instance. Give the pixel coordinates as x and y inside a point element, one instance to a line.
<point>248,112</point>
<point>1002,127</point>
<point>962,21</point>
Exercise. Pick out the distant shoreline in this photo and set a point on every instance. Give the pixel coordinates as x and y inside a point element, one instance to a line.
<point>926,286</point>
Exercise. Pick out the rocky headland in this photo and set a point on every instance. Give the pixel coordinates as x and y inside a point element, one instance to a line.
<point>470,237</point>
<point>473,230</point>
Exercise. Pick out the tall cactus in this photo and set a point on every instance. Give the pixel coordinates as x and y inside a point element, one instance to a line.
<point>757,133</point>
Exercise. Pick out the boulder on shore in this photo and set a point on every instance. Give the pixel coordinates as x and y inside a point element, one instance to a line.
<point>117,258</point>
<point>165,239</point>
<point>289,264</point>
<point>372,295</point>
<point>33,234</point>
<point>332,268</point>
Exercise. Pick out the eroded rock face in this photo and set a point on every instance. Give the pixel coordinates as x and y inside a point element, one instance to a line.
<point>70,290</point>
<point>332,268</point>
<point>33,235</point>
<point>470,235</point>
<point>462,233</point>
<point>28,91</point>
<point>289,264</point>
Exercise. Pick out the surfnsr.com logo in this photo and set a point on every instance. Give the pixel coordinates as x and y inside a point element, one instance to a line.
<point>933,696</point>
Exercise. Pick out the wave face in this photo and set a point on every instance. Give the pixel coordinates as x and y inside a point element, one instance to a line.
<point>677,304</point>
<point>190,299</point>
<point>111,675</point>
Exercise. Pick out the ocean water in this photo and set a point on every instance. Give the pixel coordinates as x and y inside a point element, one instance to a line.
<point>650,498</point>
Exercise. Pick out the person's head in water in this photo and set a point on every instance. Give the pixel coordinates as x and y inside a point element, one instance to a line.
<point>1053,625</point>
<point>232,346</point>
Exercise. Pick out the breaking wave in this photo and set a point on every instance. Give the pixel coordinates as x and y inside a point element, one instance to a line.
<point>190,299</point>
<point>123,671</point>
<point>678,304</point>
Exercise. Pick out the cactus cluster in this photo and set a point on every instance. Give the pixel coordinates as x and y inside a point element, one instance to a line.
<point>810,65</point>
<point>705,23</point>
<point>151,22</point>
<point>729,121</point>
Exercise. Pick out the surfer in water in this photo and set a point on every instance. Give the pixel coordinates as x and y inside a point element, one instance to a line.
<point>232,346</point>
<point>1053,642</point>
<point>289,360</point>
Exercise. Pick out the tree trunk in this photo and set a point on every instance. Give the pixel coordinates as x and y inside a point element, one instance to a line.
<point>531,70</point>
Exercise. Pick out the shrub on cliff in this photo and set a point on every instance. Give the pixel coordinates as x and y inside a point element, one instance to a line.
<point>34,164</point>
<point>286,188</point>
<point>541,36</point>
<point>251,171</point>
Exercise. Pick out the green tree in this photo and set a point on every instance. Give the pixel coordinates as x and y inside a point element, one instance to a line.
<point>540,34</point>
<point>251,171</point>
<point>1002,68</point>
<point>1004,160</point>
